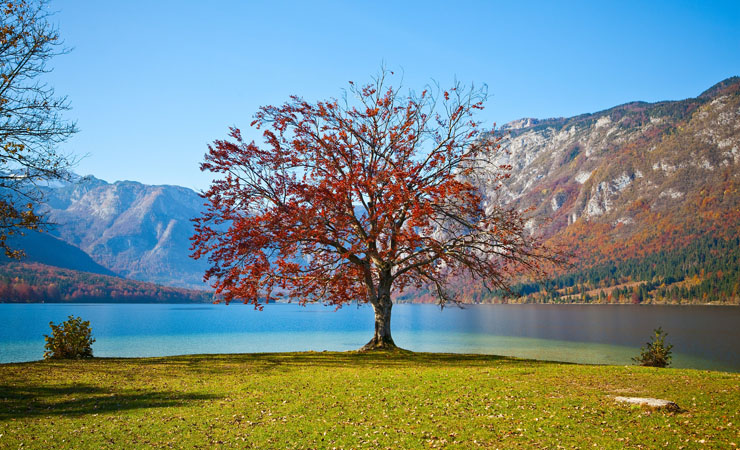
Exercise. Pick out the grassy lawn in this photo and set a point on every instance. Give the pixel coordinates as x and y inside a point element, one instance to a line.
<point>350,400</point>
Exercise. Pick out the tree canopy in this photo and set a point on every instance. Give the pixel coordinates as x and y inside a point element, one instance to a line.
<point>31,124</point>
<point>355,199</point>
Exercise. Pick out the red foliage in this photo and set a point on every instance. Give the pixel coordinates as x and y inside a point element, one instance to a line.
<point>351,201</point>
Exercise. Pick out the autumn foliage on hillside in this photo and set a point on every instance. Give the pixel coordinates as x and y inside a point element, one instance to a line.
<point>25,283</point>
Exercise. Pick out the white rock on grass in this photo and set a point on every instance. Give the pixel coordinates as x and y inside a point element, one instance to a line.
<point>651,402</point>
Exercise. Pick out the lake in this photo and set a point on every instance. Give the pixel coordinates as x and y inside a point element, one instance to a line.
<point>704,337</point>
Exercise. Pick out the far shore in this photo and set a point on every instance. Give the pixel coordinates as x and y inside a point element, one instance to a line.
<point>452,305</point>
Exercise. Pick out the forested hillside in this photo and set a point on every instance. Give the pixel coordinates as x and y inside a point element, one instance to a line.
<point>33,282</point>
<point>705,271</point>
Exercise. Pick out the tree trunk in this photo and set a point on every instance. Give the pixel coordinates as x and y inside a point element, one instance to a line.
<point>382,339</point>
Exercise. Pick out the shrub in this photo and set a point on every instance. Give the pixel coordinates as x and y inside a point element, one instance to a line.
<point>655,353</point>
<point>69,340</point>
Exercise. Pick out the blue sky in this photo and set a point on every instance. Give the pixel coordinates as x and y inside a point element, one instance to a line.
<point>152,83</point>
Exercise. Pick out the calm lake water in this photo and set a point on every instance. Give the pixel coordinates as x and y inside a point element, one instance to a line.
<point>704,337</point>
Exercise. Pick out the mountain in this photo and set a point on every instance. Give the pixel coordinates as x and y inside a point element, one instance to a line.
<point>137,231</point>
<point>665,169</point>
<point>645,196</point>
<point>46,249</point>
<point>621,185</point>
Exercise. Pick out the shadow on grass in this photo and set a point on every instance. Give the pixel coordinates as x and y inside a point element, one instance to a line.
<point>31,401</point>
<point>268,362</point>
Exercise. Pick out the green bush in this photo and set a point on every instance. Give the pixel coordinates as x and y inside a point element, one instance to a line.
<point>69,340</point>
<point>655,353</point>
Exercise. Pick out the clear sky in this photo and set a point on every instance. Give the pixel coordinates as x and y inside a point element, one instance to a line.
<point>153,82</point>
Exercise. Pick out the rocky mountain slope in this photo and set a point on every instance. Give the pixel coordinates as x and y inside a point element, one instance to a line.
<point>630,181</point>
<point>666,169</point>
<point>138,231</point>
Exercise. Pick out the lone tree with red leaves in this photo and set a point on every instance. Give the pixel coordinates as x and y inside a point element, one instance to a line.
<point>358,199</point>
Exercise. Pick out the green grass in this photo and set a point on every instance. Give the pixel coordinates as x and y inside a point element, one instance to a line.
<point>352,400</point>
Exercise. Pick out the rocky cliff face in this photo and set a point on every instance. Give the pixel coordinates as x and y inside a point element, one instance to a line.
<point>137,231</point>
<point>635,175</point>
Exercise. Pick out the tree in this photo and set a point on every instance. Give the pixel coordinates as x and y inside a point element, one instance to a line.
<point>71,339</point>
<point>360,199</point>
<point>31,125</point>
<point>655,353</point>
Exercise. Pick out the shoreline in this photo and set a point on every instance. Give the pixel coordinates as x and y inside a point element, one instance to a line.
<point>398,353</point>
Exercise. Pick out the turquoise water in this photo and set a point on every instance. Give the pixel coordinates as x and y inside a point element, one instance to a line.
<point>703,337</point>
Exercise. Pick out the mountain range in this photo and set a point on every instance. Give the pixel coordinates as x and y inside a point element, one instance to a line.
<point>620,186</point>
<point>137,231</point>
<point>120,242</point>
<point>667,169</point>
<point>644,197</point>
<point>623,190</point>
